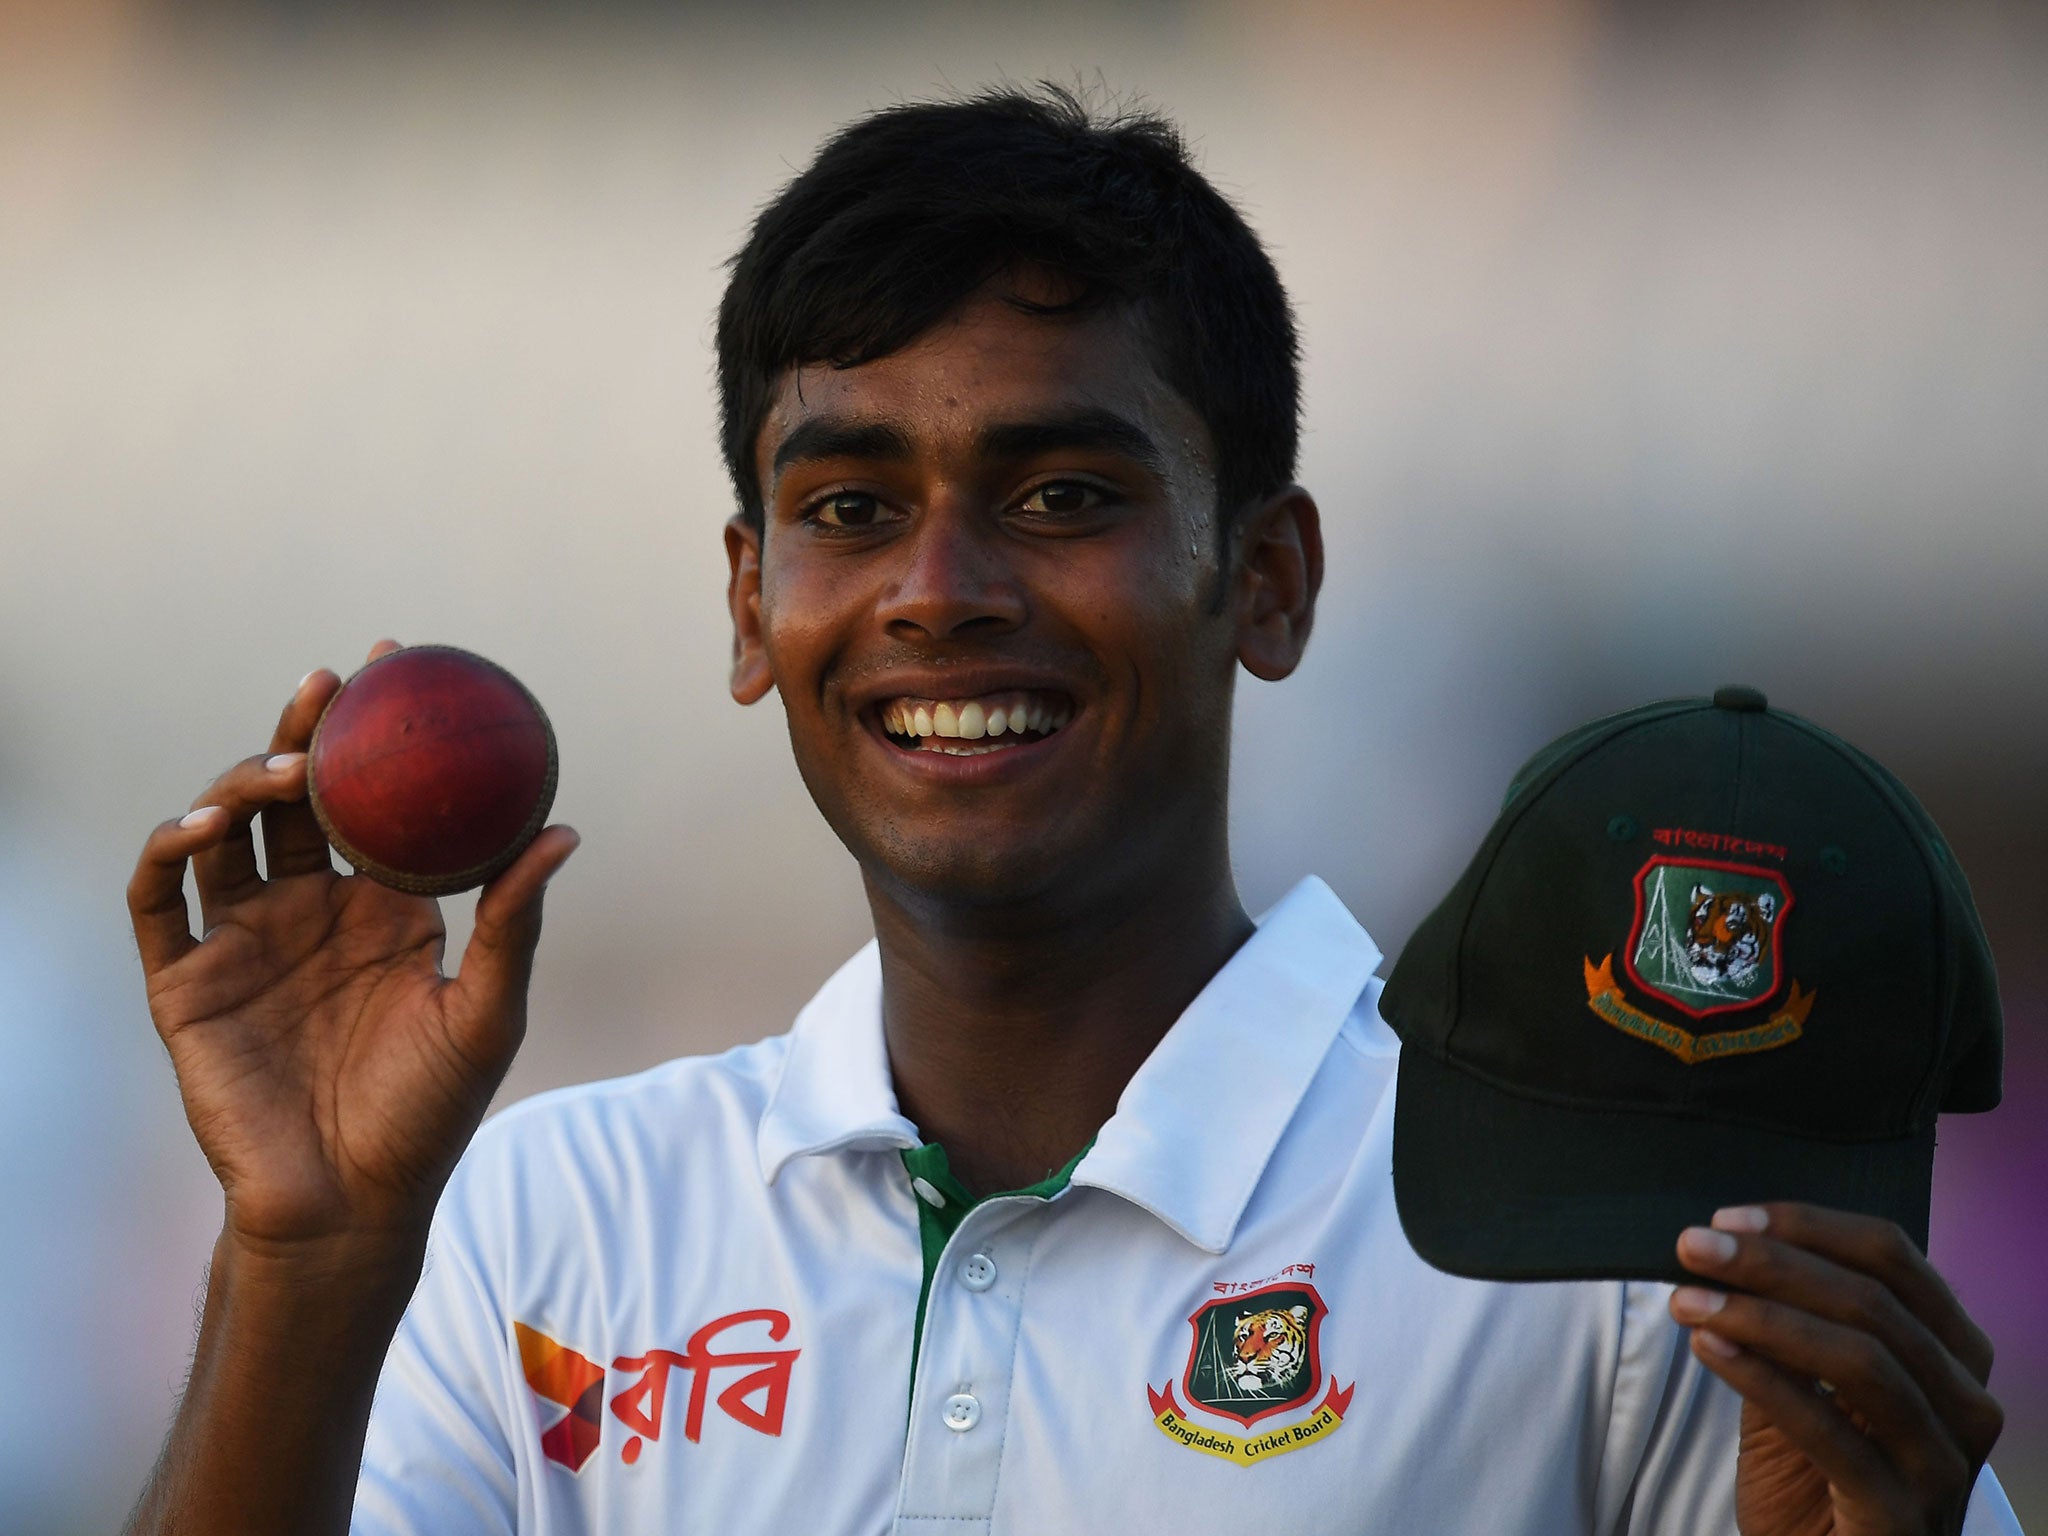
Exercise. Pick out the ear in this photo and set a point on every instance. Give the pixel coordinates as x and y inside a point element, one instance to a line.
<point>1275,579</point>
<point>751,675</point>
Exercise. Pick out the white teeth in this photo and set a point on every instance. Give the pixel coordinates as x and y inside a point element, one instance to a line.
<point>966,720</point>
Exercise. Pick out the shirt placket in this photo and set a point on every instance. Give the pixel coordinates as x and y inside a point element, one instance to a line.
<point>966,1364</point>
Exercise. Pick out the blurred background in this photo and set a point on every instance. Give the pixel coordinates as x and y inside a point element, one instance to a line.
<point>1648,349</point>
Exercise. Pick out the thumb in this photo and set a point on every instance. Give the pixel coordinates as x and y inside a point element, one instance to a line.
<point>498,963</point>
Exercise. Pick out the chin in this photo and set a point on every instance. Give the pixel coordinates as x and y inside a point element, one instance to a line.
<point>960,872</point>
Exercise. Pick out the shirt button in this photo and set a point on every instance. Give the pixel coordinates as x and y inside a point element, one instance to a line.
<point>978,1273</point>
<point>928,1192</point>
<point>963,1412</point>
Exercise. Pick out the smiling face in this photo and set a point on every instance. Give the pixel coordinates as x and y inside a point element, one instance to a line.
<point>986,590</point>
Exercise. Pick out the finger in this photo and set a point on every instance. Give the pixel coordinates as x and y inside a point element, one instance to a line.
<point>156,891</point>
<point>1846,1458</point>
<point>1799,1278</point>
<point>1866,1376</point>
<point>293,843</point>
<point>301,712</point>
<point>498,963</point>
<point>1878,1248</point>
<point>225,872</point>
<point>382,649</point>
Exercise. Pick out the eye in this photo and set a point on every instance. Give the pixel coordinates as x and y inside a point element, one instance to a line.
<point>1063,498</point>
<point>847,509</point>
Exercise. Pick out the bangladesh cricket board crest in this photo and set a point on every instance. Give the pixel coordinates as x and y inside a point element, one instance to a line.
<point>1706,938</point>
<point>1256,1355</point>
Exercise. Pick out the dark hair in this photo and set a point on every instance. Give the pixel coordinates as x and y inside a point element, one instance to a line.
<point>908,212</point>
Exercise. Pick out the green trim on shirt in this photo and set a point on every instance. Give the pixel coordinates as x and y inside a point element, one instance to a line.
<point>937,1224</point>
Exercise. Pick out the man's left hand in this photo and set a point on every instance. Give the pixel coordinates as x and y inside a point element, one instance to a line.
<point>1863,1379</point>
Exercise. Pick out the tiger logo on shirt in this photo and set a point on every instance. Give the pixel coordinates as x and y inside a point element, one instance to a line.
<point>1255,1355</point>
<point>1271,1349</point>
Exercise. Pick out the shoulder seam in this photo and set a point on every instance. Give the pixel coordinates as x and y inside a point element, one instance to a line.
<point>650,1079</point>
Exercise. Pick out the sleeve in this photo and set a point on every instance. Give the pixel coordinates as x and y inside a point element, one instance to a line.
<point>1673,1433</point>
<point>438,1458</point>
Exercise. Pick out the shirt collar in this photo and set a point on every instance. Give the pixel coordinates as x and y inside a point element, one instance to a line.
<point>1199,1120</point>
<point>834,1093</point>
<point>1195,1125</point>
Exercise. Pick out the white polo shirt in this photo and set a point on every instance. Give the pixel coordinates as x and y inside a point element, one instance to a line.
<point>686,1302</point>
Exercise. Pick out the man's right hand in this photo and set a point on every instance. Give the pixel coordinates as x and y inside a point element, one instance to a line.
<point>331,1073</point>
<point>333,1076</point>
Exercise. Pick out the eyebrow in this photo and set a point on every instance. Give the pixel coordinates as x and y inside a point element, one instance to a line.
<point>833,437</point>
<point>1095,430</point>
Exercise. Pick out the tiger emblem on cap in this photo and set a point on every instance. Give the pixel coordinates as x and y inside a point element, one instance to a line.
<point>1272,1349</point>
<point>1728,935</point>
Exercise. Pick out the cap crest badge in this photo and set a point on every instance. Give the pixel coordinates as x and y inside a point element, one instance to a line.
<point>1707,934</point>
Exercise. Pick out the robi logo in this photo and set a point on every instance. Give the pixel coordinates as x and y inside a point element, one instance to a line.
<point>558,1374</point>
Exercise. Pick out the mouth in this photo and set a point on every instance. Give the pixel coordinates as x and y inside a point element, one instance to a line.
<point>976,726</point>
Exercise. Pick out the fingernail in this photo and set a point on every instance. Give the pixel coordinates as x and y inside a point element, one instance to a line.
<point>302,683</point>
<point>1703,1245</point>
<point>195,817</point>
<point>1714,1344</point>
<point>284,760</point>
<point>1695,1303</point>
<point>1742,1218</point>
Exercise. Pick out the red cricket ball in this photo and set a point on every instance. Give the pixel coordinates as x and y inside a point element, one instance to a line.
<point>431,769</point>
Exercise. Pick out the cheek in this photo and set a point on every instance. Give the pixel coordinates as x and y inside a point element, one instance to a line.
<point>804,618</point>
<point>1156,603</point>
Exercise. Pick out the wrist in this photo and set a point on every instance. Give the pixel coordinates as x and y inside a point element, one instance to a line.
<point>269,1436</point>
<point>337,1283</point>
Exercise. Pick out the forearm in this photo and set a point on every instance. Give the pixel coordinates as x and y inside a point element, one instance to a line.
<point>269,1437</point>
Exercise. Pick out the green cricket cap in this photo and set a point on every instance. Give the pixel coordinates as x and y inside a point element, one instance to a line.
<point>1709,954</point>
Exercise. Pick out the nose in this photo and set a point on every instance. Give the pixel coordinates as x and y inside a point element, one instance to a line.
<point>955,580</point>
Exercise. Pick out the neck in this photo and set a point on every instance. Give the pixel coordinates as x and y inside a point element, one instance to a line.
<point>1013,1029</point>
